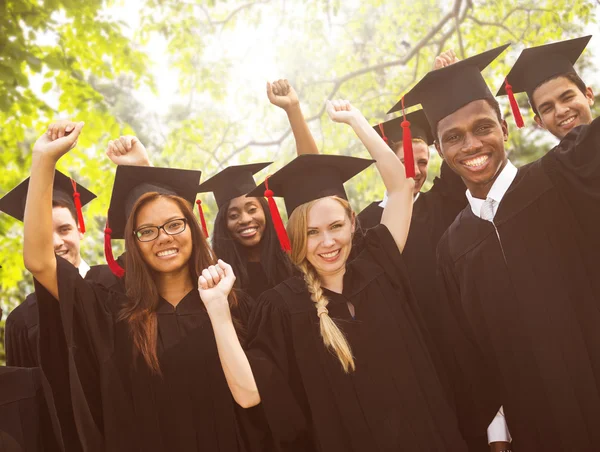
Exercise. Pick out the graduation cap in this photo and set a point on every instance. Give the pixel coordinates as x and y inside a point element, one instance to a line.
<point>539,64</point>
<point>304,179</point>
<point>392,130</point>
<point>443,91</point>
<point>232,182</point>
<point>132,182</point>
<point>13,203</point>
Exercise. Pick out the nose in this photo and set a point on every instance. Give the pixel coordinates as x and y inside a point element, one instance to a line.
<point>245,217</point>
<point>58,241</point>
<point>562,109</point>
<point>472,143</point>
<point>328,239</point>
<point>163,236</point>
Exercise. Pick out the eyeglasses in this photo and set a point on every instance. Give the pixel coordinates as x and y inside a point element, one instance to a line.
<point>172,227</point>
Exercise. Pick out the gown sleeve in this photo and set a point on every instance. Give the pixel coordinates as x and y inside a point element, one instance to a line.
<point>88,332</point>
<point>271,356</point>
<point>473,384</point>
<point>18,347</point>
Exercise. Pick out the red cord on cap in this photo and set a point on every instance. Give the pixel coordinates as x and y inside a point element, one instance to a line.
<point>383,134</point>
<point>202,219</point>
<point>409,159</point>
<point>284,240</point>
<point>77,201</point>
<point>514,106</point>
<point>108,254</point>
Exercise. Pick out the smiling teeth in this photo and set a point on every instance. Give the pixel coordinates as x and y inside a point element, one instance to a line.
<point>567,121</point>
<point>61,253</point>
<point>477,162</point>
<point>332,254</point>
<point>166,253</point>
<point>248,231</point>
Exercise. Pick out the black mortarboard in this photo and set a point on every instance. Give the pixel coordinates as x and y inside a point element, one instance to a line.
<point>312,176</point>
<point>535,65</point>
<point>13,203</point>
<point>392,129</point>
<point>232,182</point>
<point>304,179</point>
<point>443,91</point>
<point>131,182</point>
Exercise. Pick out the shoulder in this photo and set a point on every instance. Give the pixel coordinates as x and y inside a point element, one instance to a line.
<point>19,316</point>
<point>287,297</point>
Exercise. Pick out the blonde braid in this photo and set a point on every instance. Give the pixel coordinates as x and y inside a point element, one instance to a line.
<point>333,337</point>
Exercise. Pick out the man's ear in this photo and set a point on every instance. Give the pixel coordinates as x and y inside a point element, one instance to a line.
<point>590,95</point>
<point>538,121</point>
<point>438,149</point>
<point>504,127</point>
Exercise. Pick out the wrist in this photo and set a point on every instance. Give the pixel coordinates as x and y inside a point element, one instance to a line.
<point>293,109</point>
<point>43,159</point>
<point>219,309</point>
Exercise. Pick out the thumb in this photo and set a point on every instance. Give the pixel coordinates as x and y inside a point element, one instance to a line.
<point>73,136</point>
<point>270,93</point>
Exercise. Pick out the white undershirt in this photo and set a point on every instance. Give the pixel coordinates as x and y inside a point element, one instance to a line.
<point>498,430</point>
<point>83,268</point>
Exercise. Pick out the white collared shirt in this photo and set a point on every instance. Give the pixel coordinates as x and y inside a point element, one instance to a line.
<point>83,268</point>
<point>498,190</point>
<point>383,203</point>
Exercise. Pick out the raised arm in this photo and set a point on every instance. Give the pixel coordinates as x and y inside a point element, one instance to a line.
<point>128,150</point>
<point>38,244</point>
<point>214,286</point>
<point>398,210</point>
<point>281,94</point>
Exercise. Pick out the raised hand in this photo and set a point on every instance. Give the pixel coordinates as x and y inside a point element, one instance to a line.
<point>128,150</point>
<point>59,139</point>
<point>342,111</point>
<point>215,284</point>
<point>445,59</point>
<point>281,94</point>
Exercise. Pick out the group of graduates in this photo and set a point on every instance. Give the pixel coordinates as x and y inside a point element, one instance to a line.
<point>464,318</point>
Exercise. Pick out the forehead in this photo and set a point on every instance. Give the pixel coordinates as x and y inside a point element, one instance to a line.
<point>62,215</point>
<point>241,201</point>
<point>552,89</point>
<point>465,116</point>
<point>324,212</point>
<point>420,151</point>
<point>158,211</point>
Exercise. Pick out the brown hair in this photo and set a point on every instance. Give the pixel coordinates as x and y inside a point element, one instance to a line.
<point>61,199</point>
<point>140,287</point>
<point>297,228</point>
<point>397,145</point>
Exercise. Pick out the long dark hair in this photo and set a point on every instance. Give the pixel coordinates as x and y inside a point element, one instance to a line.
<point>275,262</point>
<point>140,287</point>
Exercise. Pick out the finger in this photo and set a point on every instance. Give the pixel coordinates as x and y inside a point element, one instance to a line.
<point>61,131</point>
<point>74,136</point>
<point>329,108</point>
<point>110,148</point>
<point>280,87</point>
<point>54,132</point>
<point>120,149</point>
<point>287,86</point>
<point>452,55</point>
<point>215,274</point>
<point>202,284</point>
<point>226,268</point>
<point>270,93</point>
<point>209,281</point>
<point>69,127</point>
<point>347,105</point>
<point>220,271</point>
<point>126,142</point>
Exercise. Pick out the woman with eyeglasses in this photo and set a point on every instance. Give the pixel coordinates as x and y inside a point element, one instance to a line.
<point>144,368</point>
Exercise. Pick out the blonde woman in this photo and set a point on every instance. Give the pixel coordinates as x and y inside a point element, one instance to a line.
<point>338,357</point>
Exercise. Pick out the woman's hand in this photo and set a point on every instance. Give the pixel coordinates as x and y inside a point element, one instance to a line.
<point>59,139</point>
<point>214,286</point>
<point>128,150</point>
<point>342,111</point>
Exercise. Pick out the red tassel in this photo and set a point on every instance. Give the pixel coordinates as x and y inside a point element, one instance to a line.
<point>202,219</point>
<point>514,106</point>
<point>284,240</point>
<point>409,159</point>
<point>108,254</point>
<point>383,134</point>
<point>77,200</point>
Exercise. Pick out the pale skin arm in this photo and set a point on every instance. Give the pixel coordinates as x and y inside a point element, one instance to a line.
<point>38,247</point>
<point>214,286</point>
<point>128,150</point>
<point>283,95</point>
<point>398,211</point>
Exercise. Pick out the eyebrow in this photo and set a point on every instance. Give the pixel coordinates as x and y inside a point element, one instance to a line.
<point>174,217</point>
<point>548,103</point>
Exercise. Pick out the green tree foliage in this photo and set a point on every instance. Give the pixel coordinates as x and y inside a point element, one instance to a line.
<point>70,57</point>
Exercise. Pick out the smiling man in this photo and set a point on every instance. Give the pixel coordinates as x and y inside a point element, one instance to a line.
<point>518,270</point>
<point>559,98</point>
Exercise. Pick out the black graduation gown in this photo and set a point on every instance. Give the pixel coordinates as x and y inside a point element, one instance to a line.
<point>393,401</point>
<point>119,404</point>
<point>257,280</point>
<point>21,420</point>
<point>21,339</point>
<point>523,303</point>
<point>370,216</point>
